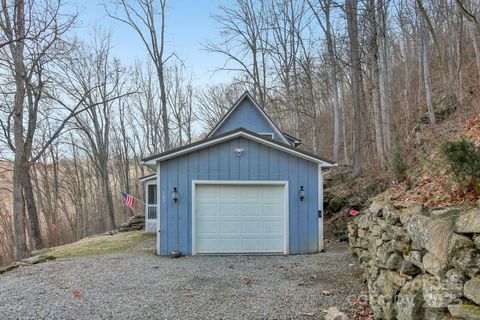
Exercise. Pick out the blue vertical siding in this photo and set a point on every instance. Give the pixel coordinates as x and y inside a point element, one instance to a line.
<point>247,116</point>
<point>220,162</point>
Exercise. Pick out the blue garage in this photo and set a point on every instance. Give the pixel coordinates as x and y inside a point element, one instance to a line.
<point>244,189</point>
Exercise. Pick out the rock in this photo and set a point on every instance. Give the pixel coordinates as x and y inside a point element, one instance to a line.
<point>468,222</point>
<point>477,241</point>
<point>431,234</point>
<point>434,266</point>
<point>343,237</point>
<point>394,262</point>
<point>396,278</point>
<point>441,293</point>
<point>363,221</point>
<point>437,314</point>
<point>458,242</point>
<point>471,290</point>
<point>376,207</point>
<point>409,305</point>
<point>408,268</point>
<point>391,214</point>
<point>398,246</point>
<point>467,260</point>
<point>465,311</point>
<point>415,257</point>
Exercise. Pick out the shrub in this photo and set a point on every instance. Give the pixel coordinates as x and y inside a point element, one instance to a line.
<point>398,165</point>
<point>463,157</point>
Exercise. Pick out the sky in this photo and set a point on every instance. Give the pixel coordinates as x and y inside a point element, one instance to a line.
<point>188,25</point>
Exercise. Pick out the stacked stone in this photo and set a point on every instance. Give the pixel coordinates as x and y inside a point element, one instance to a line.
<point>419,264</point>
<point>135,223</point>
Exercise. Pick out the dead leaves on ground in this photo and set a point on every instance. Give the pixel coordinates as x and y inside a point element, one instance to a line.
<point>247,280</point>
<point>77,294</point>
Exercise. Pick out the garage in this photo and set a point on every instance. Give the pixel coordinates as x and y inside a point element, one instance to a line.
<point>247,217</point>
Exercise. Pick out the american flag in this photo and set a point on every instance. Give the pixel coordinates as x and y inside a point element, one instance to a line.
<point>128,200</point>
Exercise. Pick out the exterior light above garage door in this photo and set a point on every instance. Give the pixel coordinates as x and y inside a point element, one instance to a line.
<point>175,194</point>
<point>301,193</point>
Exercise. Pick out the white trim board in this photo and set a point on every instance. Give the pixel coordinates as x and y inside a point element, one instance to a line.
<point>320,207</point>
<point>235,135</point>
<point>265,116</point>
<point>240,183</point>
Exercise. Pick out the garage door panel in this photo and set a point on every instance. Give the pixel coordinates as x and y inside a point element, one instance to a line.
<point>227,227</point>
<point>239,218</point>
<point>272,227</point>
<point>207,210</point>
<point>229,210</point>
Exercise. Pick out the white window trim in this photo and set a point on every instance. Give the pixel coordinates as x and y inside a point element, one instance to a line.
<point>244,182</point>
<point>320,208</point>
<point>159,200</point>
<point>271,134</point>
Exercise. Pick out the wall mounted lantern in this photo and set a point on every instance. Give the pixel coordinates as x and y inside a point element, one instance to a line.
<point>301,193</point>
<point>175,194</point>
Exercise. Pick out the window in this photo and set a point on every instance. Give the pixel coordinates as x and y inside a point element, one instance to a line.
<point>152,194</point>
<point>267,135</point>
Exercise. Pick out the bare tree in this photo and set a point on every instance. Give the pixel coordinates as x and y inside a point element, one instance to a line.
<point>356,82</point>
<point>142,17</point>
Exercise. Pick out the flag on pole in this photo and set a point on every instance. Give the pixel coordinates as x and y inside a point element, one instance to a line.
<point>128,200</point>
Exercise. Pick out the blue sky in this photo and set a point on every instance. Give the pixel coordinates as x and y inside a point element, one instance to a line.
<point>188,25</point>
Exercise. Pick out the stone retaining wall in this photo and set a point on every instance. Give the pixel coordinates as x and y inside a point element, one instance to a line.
<point>419,264</point>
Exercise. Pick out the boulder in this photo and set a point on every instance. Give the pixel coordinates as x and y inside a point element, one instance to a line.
<point>477,241</point>
<point>441,293</point>
<point>465,311</point>
<point>467,260</point>
<point>471,290</point>
<point>409,269</point>
<point>434,266</point>
<point>431,234</point>
<point>415,257</point>
<point>409,305</point>
<point>458,242</point>
<point>391,214</point>
<point>394,262</point>
<point>376,207</point>
<point>468,222</point>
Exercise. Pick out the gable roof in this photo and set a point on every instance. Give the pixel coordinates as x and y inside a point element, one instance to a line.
<point>246,95</point>
<point>240,132</point>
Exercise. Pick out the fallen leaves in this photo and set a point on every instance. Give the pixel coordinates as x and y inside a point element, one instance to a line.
<point>333,313</point>
<point>247,280</point>
<point>308,314</point>
<point>327,293</point>
<point>77,294</point>
<point>360,309</point>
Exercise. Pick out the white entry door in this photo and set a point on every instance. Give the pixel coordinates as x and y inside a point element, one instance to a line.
<point>239,218</point>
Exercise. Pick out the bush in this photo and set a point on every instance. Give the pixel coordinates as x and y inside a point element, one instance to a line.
<point>463,157</point>
<point>398,165</point>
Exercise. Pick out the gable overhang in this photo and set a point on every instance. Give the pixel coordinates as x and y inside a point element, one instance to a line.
<point>237,134</point>
<point>246,94</point>
<point>150,177</point>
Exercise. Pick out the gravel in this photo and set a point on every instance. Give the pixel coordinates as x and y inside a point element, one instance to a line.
<point>136,284</point>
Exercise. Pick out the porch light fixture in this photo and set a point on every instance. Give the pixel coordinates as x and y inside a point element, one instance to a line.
<point>301,193</point>
<point>175,194</point>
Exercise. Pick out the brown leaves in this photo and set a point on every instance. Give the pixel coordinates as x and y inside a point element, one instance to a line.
<point>247,280</point>
<point>360,309</point>
<point>327,293</point>
<point>77,294</point>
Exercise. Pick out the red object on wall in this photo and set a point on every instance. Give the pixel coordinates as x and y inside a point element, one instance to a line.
<point>353,212</point>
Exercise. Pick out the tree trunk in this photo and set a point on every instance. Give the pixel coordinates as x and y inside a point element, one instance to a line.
<point>426,74</point>
<point>356,70</point>
<point>383,75</point>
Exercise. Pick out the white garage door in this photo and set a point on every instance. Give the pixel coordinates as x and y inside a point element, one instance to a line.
<point>239,219</point>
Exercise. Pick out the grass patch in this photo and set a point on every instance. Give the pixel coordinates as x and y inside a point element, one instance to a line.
<point>101,244</point>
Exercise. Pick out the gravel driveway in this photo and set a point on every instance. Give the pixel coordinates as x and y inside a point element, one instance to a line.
<point>136,284</point>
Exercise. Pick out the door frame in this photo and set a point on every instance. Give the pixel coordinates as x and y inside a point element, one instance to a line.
<point>283,183</point>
